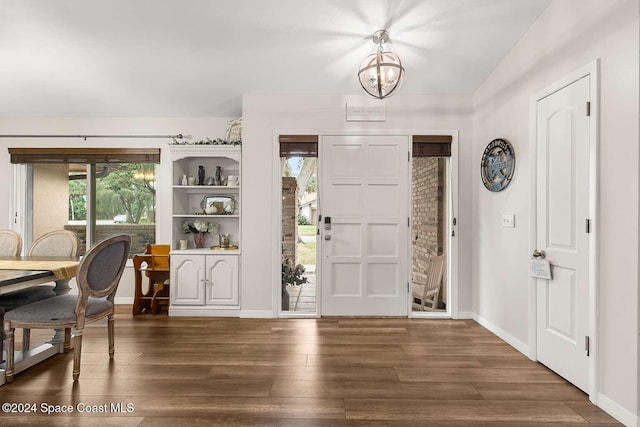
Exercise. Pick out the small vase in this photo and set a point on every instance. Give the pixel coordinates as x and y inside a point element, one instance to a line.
<point>198,239</point>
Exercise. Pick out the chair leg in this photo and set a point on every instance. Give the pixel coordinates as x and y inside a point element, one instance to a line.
<point>9,338</point>
<point>111,332</point>
<point>26,339</point>
<point>77,353</point>
<point>1,334</point>
<point>67,340</point>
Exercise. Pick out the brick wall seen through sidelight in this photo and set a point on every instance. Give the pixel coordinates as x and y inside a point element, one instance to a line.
<point>427,212</point>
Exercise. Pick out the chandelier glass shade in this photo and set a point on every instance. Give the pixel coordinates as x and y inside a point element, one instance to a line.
<point>381,73</point>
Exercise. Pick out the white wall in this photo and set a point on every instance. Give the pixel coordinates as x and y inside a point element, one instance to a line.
<point>265,113</point>
<point>568,35</point>
<point>199,128</point>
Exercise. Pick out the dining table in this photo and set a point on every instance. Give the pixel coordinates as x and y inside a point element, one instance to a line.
<point>22,272</point>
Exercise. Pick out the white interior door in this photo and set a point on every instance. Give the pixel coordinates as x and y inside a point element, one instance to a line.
<point>562,211</point>
<point>364,253</point>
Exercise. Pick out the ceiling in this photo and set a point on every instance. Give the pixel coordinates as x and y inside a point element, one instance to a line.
<point>195,58</point>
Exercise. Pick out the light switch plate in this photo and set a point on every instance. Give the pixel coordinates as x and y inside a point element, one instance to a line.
<point>509,220</point>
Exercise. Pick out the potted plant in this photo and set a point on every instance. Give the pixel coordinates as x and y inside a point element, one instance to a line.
<point>291,275</point>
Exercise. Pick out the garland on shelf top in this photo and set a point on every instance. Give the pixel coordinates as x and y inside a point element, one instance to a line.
<point>208,141</point>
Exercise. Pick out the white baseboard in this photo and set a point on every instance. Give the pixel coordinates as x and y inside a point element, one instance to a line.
<point>508,338</point>
<point>466,315</point>
<point>123,300</point>
<point>202,311</point>
<point>621,414</point>
<point>257,314</point>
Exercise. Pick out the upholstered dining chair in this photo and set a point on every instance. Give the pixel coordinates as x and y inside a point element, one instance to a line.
<point>10,243</point>
<point>425,295</point>
<point>55,243</point>
<point>98,277</point>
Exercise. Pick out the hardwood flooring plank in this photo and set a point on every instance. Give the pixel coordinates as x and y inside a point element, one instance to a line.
<point>457,423</point>
<point>241,407</point>
<point>507,362</point>
<point>155,387</point>
<point>531,391</point>
<point>265,359</point>
<point>471,350</point>
<point>422,410</point>
<point>253,338</point>
<point>65,421</point>
<point>476,375</point>
<point>255,421</point>
<point>373,338</point>
<point>306,373</point>
<point>367,389</point>
<point>591,413</point>
<point>385,360</point>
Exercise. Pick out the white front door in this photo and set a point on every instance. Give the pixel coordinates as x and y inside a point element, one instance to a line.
<point>562,204</point>
<point>364,198</point>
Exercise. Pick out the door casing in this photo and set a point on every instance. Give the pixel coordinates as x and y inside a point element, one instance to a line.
<point>592,70</point>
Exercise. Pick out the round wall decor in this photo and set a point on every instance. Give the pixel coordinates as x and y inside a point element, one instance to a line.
<point>497,165</point>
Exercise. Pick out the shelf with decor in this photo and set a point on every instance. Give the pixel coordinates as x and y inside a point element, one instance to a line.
<point>206,195</point>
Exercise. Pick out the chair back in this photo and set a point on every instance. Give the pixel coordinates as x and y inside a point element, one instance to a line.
<point>100,270</point>
<point>159,256</point>
<point>435,268</point>
<point>55,243</point>
<point>10,243</point>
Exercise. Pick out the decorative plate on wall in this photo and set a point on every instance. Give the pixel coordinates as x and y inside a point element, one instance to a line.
<point>497,165</point>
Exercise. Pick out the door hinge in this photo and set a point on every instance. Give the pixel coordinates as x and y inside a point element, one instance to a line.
<point>586,345</point>
<point>408,288</point>
<point>408,156</point>
<point>588,108</point>
<point>408,222</point>
<point>587,225</point>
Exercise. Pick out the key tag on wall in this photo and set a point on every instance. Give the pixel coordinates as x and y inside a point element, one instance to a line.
<point>540,267</point>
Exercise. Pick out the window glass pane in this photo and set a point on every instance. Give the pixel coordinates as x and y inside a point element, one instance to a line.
<point>299,234</point>
<point>125,201</point>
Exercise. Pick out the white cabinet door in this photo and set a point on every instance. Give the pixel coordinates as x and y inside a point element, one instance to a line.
<point>187,279</point>
<point>222,280</point>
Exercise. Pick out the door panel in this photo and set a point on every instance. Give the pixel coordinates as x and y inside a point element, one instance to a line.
<point>364,192</point>
<point>562,204</point>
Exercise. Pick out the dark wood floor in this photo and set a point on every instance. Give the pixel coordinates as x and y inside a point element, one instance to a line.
<point>329,372</point>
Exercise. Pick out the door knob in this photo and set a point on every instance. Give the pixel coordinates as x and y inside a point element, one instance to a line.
<point>539,254</point>
<point>327,237</point>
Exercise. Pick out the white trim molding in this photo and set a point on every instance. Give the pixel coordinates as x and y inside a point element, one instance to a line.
<point>257,314</point>
<point>612,408</point>
<point>503,335</point>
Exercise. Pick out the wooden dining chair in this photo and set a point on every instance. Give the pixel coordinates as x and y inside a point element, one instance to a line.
<point>62,243</point>
<point>154,262</point>
<point>55,243</point>
<point>425,295</point>
<point>98,277</point>
<point>10,243</point>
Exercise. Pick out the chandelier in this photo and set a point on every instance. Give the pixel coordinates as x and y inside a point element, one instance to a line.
<point>381,73</point>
